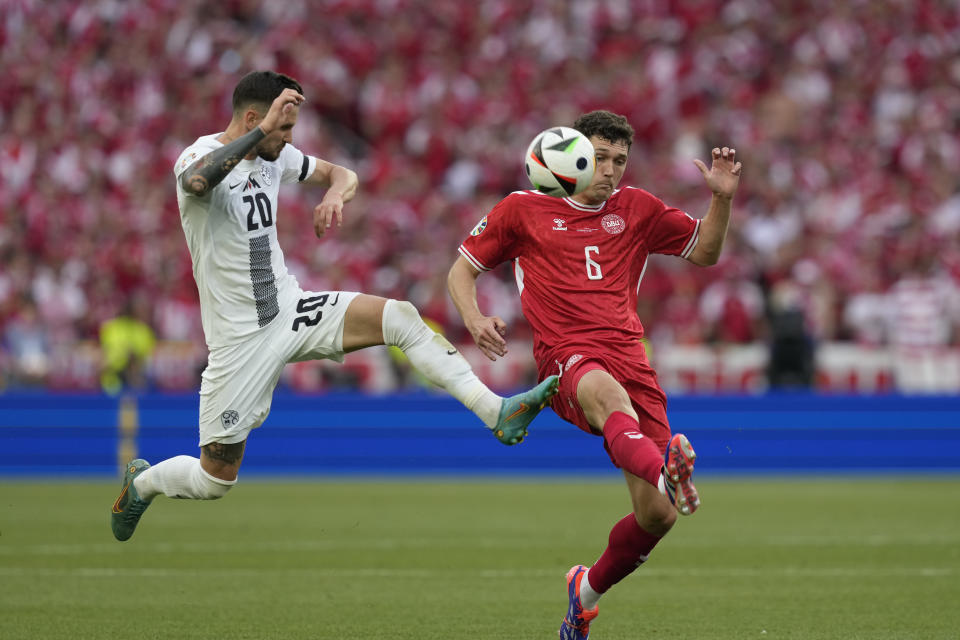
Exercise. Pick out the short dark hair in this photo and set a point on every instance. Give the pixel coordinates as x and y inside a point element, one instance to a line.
<point>261,87</point>
<point>605,124</point>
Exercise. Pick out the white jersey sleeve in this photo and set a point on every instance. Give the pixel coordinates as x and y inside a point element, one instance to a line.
<point>231,233</point>
<point>297,166</point>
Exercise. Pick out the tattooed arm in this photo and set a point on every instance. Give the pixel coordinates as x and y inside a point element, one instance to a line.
<point>206,173</point>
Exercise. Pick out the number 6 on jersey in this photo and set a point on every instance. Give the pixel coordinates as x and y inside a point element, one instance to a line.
<point>593,268</point>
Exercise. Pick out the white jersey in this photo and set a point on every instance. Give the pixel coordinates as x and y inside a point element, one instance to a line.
<point>232,236</point>
<point>923,311</point>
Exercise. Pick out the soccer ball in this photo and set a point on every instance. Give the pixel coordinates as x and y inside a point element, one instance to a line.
<point>560,162</point>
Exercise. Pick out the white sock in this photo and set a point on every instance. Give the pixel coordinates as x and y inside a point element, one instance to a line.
<point>181,477</point>
<point>438,360</point>
<point>588,597</point>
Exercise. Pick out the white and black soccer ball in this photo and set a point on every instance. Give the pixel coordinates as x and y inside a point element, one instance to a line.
<point>560,162</point>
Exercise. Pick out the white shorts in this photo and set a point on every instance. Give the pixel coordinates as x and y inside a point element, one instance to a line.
<point>236,388</point>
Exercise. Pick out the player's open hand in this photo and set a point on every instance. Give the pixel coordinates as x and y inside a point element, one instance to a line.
<point>488,334</point>
<point>282,111</point>
<point>723,176</point>
<point>329,209</point>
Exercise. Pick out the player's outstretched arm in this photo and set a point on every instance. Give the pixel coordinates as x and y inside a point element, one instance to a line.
<point>207,172</point>
<point>487,332</point>
<point>341,184</point>
<point>723,178</point>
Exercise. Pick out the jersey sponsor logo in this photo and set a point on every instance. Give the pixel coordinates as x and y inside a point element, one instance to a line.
<point>477,230</point>
<point>234,186</point>
<point>612,223</point>
<point>559,224</point>
<point>266,173</point>
<point>229,418</point>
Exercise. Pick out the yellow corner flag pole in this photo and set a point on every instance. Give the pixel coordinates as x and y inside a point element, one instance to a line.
<point>128,426</point>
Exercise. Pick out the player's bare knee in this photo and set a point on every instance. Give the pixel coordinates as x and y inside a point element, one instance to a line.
<point>604,405</point>
<point>222,461</point>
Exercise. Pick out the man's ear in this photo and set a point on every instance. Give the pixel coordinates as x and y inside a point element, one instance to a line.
<point>252,117</point>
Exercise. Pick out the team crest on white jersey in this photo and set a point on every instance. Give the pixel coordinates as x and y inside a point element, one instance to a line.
<point>477,230</point>
<point>612,223</point>
<point>267,174</point>
<point>559,224</point>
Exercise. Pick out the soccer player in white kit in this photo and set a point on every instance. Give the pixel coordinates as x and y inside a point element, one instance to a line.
<point>255,316</point>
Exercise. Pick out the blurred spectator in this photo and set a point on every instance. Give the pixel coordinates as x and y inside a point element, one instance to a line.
<point>28,347</point>
<point>127,342</point>
<point>732,306</point>
<point>845,115</point>
<point>791,343</point>
<point>923,319</point>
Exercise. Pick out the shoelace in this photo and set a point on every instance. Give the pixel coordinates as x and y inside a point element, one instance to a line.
<point>577,621</point>
<point>583,626</point>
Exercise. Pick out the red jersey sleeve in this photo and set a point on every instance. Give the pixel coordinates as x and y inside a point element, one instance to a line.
<point>671,231</point>
<point>495,239</point>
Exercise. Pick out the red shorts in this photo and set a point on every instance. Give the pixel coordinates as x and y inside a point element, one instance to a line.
<point>631,370</point>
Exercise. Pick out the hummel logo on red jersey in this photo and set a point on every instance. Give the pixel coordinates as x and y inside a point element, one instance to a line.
<point>559,224</point>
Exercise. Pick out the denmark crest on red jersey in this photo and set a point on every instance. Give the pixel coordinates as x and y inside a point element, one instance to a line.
<point>612,223</point>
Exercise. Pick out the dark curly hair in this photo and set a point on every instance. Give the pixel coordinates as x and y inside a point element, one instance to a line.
<point>261,88</point>
<point>605,124</point>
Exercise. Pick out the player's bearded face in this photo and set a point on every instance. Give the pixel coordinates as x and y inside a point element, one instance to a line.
<point>270,147</point>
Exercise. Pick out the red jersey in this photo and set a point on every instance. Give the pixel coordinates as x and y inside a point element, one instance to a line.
<point>579,267</point>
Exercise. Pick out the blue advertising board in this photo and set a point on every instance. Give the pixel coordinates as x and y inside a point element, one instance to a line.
<point>422,433</point>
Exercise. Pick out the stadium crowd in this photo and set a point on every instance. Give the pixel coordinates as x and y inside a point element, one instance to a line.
<point>845,115</point>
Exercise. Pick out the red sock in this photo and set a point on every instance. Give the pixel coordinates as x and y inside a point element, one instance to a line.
<point>627,549</point>
<point>630,449</point>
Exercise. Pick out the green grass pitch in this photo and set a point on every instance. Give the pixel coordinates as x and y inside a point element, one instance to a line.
<point>765,559</point>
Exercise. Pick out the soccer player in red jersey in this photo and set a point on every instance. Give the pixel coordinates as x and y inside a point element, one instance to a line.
<point>579,262</point>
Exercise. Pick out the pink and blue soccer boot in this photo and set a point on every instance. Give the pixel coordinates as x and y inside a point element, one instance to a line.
<point>678,473</point>
<point>576,624</point>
